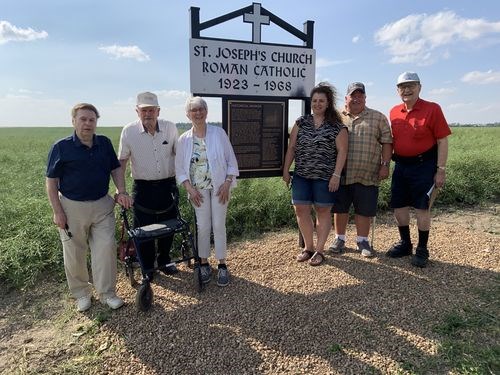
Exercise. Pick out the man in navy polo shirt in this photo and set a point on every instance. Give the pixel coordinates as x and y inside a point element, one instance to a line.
<point>78,173</point>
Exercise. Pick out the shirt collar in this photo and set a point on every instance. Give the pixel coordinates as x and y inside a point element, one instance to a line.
<point>416,106</point>
<point>345,112</point>
<point>78,143</point>
<point>143,128</point>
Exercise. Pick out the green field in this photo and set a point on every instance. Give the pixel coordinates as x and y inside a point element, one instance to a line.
<point>30,245</point>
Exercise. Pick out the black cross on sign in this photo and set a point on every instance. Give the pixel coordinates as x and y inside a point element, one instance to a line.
<point>257,20</point>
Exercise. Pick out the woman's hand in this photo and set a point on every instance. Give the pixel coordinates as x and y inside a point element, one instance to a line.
<point>287,178</point>
<point>195,196</point>
<point>223,192</point>
<point>334,183</point>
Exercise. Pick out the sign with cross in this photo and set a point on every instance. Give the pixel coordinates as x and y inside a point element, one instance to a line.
<point>255,80</point>
<point>257,19</point>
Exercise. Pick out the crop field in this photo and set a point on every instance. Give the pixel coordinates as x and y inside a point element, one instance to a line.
<point>30,244</point>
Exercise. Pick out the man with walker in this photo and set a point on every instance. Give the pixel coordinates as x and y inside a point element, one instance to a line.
<point>150,143</point>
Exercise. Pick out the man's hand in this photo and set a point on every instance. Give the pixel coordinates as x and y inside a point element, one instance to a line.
<point>124,200</point>
<point>383,172</point>
<point>439,178</point>
<point>60,219</point>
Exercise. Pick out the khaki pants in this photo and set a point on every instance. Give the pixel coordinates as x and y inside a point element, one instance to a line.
<point>92,225</point>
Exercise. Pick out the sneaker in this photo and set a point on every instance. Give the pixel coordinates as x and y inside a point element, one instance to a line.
<point>337,247</point>
<point>113,302</point>
<point>206,273</point>
<point>169,270</point>
<point>400,249</point>
<point>223,277</point>
<point>365,248</point>
<point>83,303</point>
<point>420,258</point>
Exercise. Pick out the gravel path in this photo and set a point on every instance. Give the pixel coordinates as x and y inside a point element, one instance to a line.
<point>351,315</point>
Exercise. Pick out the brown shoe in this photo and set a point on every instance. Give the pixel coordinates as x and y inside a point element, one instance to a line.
<point>316,259</point>
<point>304,255</point>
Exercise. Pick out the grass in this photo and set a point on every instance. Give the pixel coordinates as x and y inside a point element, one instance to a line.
<point>471,337</point>
<point>31,247</point>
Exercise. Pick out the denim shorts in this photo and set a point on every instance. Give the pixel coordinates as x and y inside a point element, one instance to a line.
<point>362,197</point>
<point>311,191</point>
<point>411,183</point>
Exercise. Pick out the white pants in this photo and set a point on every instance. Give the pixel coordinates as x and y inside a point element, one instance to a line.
<point>92,225</point>
<point>211,215</point>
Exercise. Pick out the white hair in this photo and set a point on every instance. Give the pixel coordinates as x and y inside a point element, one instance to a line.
<point>195,101</point>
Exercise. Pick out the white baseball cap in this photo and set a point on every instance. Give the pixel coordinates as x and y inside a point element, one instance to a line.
<point>408,77</point>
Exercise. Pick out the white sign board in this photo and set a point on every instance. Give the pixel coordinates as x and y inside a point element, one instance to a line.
<point>236,68</point>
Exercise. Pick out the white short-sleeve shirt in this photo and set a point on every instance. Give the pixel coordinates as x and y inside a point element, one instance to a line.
<point>152,157</point>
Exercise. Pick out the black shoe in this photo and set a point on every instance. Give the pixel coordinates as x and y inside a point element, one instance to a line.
<point>420,258</point>
<point>169,270</point>
<point>400,249</point>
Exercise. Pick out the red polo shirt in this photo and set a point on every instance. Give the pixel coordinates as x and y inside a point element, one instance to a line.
<point>416,131</point>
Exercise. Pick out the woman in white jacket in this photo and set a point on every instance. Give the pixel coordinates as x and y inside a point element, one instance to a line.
<point>206,166</point>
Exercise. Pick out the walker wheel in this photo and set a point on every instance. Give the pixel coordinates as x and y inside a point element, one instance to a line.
<point>144,297</point>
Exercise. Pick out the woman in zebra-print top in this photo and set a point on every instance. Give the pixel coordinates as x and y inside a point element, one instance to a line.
<point>318,143</point>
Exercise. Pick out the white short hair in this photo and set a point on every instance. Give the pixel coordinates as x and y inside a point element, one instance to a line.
<point>195,101</point>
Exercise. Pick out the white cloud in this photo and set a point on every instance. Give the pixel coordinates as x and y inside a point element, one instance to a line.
<point>420,38</point>
<point>173,94</point>
<point>324,63</point>
<point>29,92</point>
<point>356,39</point>
<point>11,33</point>
<point>460,105</point>
<point>442,91</point>
<point>125,52</point>
<point>481,78</point>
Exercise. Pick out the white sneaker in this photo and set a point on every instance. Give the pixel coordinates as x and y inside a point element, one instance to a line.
<point>83,303</point>
<point>113,302</point>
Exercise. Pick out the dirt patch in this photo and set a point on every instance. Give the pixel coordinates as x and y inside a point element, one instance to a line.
<point>350,315</point>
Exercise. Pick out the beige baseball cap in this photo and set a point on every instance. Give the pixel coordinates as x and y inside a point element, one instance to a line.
<point>147,99</point>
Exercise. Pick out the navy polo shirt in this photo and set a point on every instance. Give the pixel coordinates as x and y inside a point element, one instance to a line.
<point>83,171</point>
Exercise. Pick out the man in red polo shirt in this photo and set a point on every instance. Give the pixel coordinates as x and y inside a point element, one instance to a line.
<point>420,142</point>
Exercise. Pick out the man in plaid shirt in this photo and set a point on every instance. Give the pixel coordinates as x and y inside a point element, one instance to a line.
<point>369,155</point>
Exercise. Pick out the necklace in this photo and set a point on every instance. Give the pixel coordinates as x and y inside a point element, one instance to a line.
<point>318,122</point>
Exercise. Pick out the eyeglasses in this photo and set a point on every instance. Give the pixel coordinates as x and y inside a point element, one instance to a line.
<point>410,86</point>
<point>199,109</point>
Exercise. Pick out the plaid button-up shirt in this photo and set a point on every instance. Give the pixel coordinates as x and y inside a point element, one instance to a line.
<point>367,132</point>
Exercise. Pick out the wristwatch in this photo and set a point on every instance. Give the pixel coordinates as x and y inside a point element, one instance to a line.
<point>385,163</point>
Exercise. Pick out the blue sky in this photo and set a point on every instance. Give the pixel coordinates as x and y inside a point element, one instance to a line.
<point>55,53</point>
